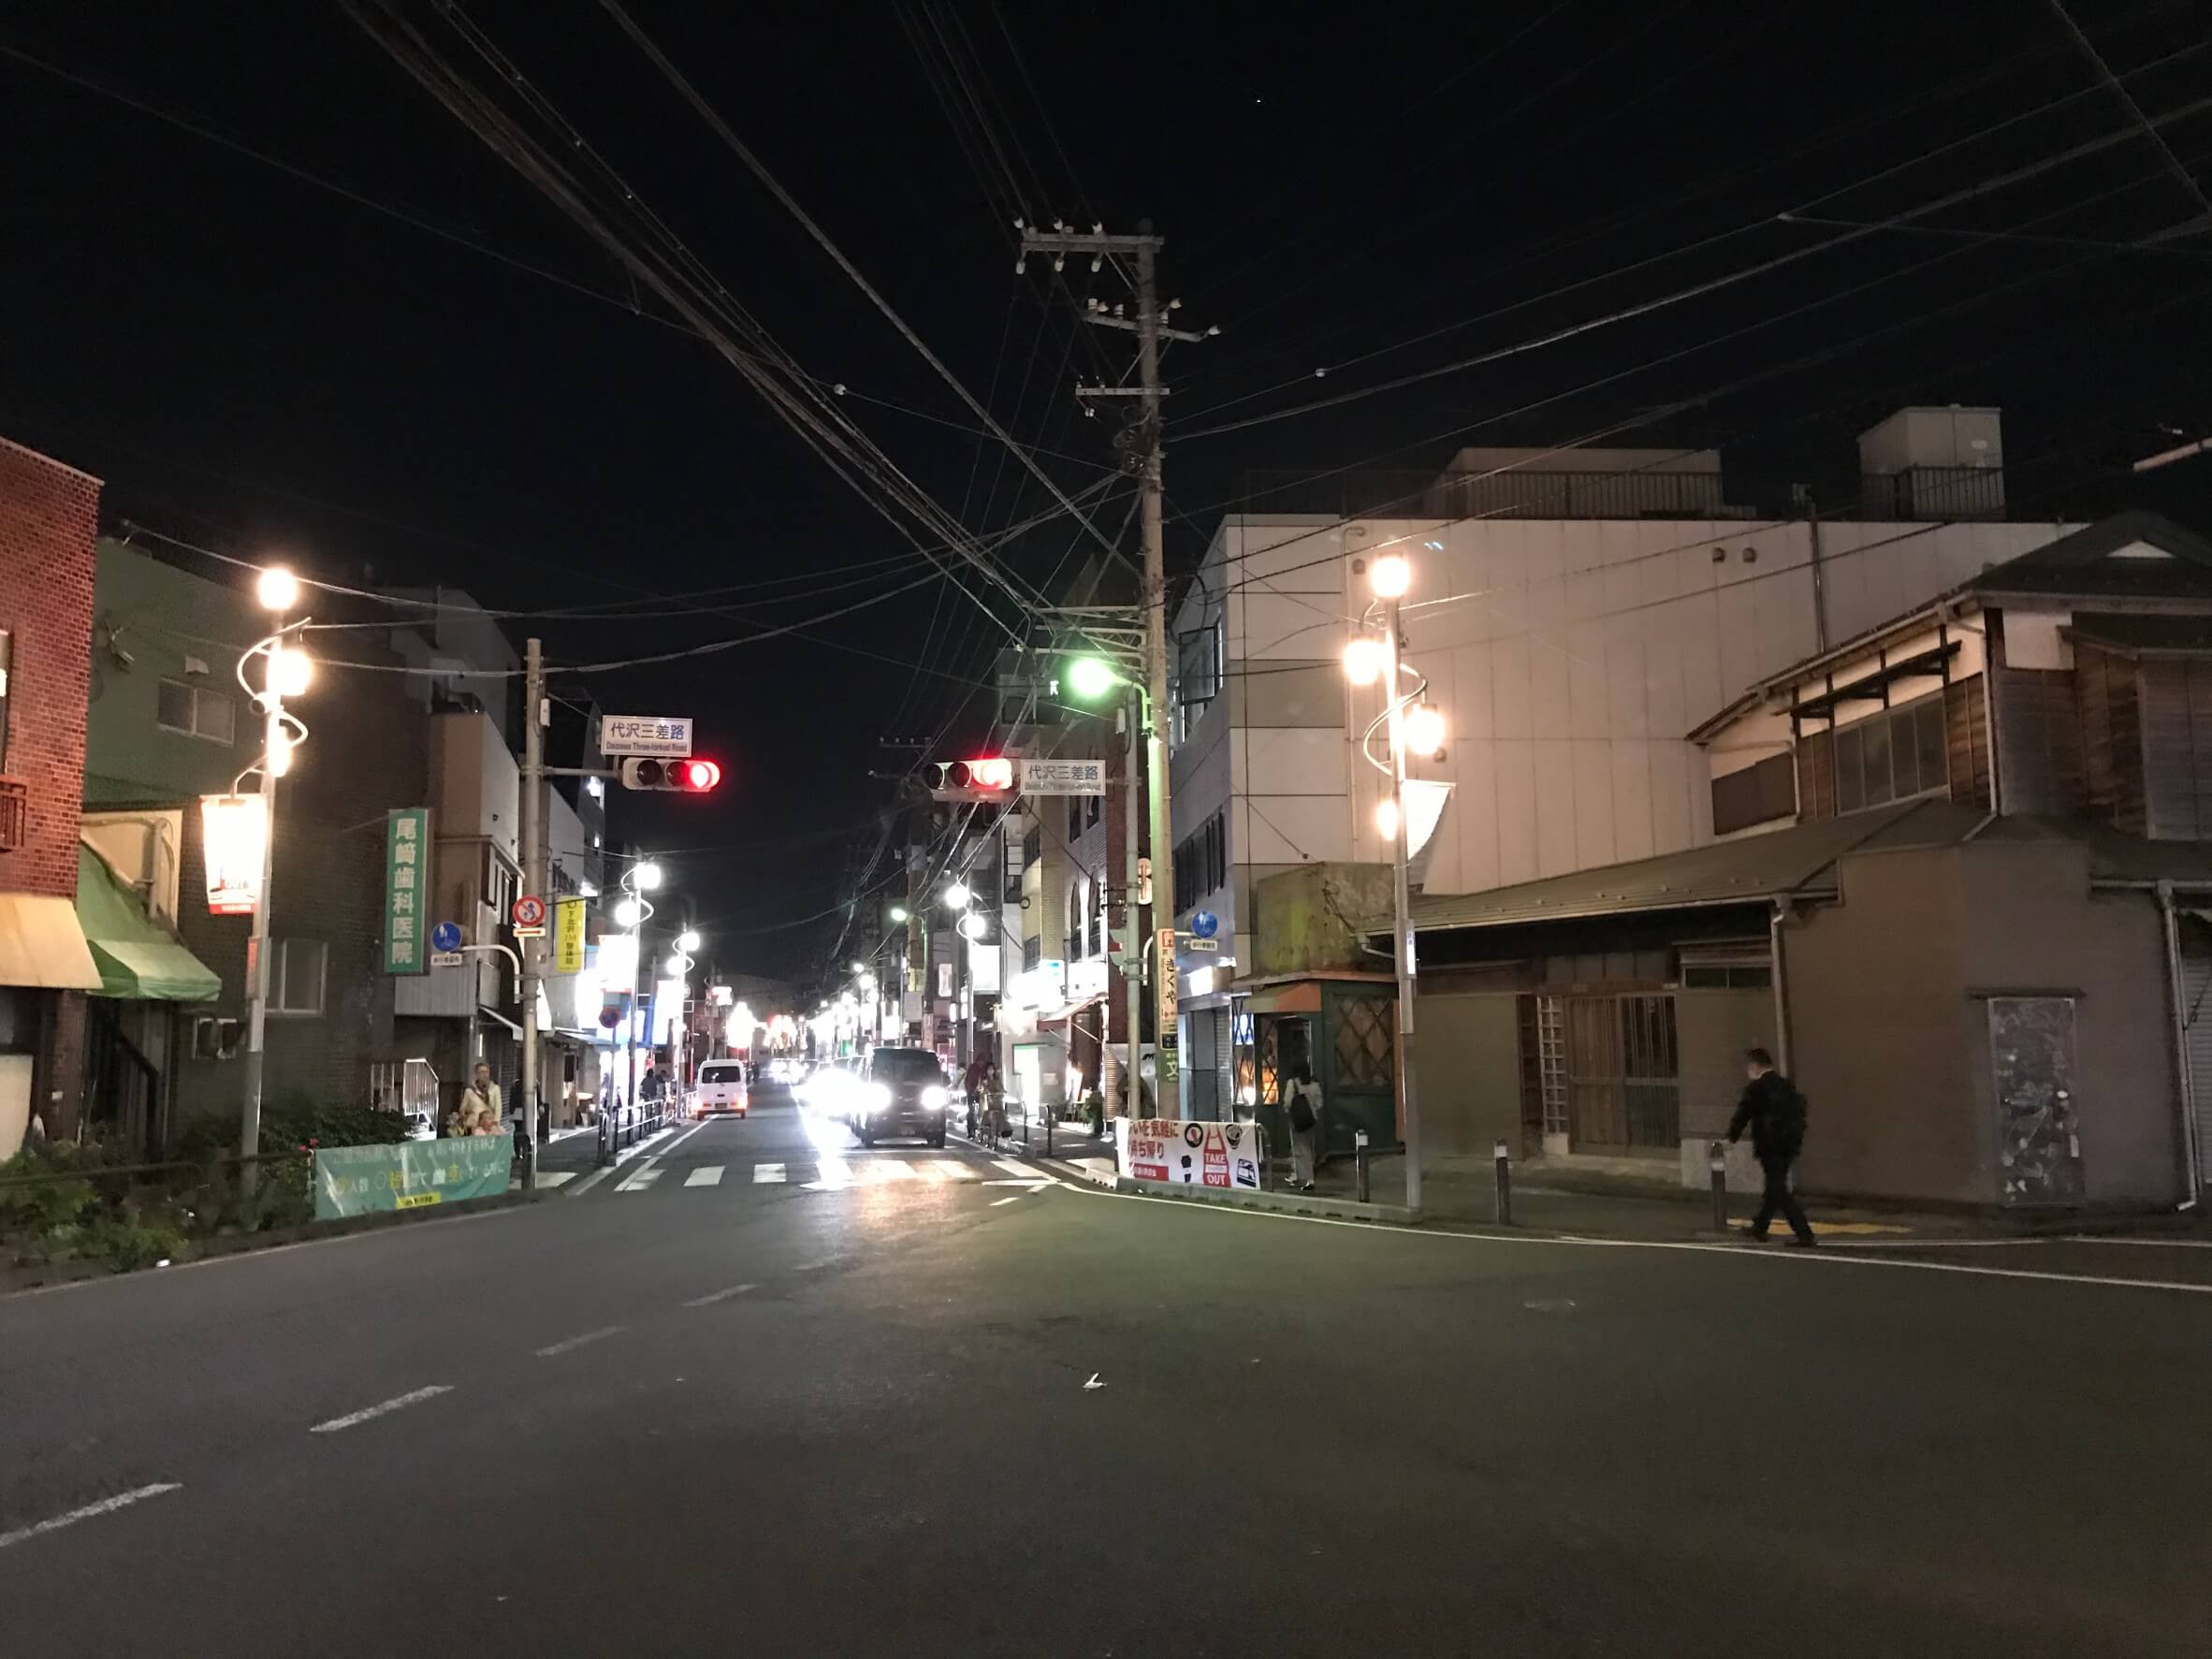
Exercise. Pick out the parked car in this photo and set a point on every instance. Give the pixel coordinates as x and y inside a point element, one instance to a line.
<point>721,1087</point>
<point>905,1096</point>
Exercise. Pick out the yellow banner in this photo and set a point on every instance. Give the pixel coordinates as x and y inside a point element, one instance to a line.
<point>568,936</point>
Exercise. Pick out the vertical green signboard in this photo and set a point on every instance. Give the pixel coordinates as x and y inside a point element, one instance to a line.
<point>406,888</point>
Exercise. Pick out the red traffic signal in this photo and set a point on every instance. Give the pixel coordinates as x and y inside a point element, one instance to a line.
<point>694,776</point>
<point>987,777</point>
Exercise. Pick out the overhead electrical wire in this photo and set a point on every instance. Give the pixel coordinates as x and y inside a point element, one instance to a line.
<point>737,147</point>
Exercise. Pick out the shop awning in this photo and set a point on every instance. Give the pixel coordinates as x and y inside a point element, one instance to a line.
<point>41,944</point>
<point>134,958</point>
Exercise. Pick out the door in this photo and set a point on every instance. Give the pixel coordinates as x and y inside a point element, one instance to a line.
<point>1624,1083</point>
<point>2032,1067</point>
<point>2196,1034</point>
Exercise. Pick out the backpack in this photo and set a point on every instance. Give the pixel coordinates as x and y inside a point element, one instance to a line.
<point>1301,1109</point>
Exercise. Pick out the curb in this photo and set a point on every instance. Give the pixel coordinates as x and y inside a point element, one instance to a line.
<point>1282,1204</point>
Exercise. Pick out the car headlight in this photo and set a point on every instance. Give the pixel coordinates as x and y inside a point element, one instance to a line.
<point>879,1096</point>
<point>936,1097</point>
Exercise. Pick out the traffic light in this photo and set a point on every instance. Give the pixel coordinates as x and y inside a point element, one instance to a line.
<point>690,778</point>
<point>988,778</point>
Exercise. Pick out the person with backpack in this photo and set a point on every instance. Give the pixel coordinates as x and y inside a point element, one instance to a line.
<point>1774,1112</point>
<point>1303,1105</point>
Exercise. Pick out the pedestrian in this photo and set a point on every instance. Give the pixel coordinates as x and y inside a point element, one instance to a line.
<point>1774,1112</point>
<point>479,1112</point>
<point>1301,1102</point>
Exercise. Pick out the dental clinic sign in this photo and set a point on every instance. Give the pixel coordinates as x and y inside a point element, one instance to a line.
<point>406,884</point>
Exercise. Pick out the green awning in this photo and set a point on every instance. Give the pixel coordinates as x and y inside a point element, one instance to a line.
<point>136,958</point>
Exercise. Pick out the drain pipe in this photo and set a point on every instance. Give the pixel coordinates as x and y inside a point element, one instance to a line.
<point>2188,1092</point>
<point>1782,995</point>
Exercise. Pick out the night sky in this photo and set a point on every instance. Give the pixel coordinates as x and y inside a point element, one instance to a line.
<point>255,361</point>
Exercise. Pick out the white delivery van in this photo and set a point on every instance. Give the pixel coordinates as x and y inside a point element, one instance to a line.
<point>722,1086</point>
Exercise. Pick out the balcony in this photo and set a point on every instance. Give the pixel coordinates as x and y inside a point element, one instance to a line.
<point>15,813</point>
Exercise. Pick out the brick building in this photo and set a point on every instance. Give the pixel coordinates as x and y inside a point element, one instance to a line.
<point>48,514</point>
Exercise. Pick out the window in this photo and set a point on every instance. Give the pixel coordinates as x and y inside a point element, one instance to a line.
<point>1075,817</point>
<point>1202,862</point>
<point>1078,918</point>
<point>297,967</point>
<point>1716,977</point>
<point>197,711</point>
<point>1094,808</point>
<point>1891,757</point>
<point>499,885</point>
<point>1755,794</point>
<point>1199,668</point>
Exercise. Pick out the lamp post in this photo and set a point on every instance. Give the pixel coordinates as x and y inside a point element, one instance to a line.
<point>287,671</point>
<point>633,912</point>
<point>1090,679</point>
<point>1367,660</point>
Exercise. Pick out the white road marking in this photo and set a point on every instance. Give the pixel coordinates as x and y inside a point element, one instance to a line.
<point>1856,1258</point>
<point>764,1173</point>
<point>1094,1383</point>
<point>2155,1243</point>
<point>704,1175</point>
<point>640,1179</point>
<point>714,1296</point>
<point>891,1168</point>
<point>122,1500</point>
<point>550,1178</point>
<point>1027,1171</point>
<point>1012,1197</point>
<point>395,1403</point>
<point>946,1168</point>
<point>834,1172</point>
<point>569,1344</point>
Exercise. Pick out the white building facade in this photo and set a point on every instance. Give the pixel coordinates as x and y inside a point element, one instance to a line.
<point>1570,655</point>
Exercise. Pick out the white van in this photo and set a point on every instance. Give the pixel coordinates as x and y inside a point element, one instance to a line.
<point>721,1087</point>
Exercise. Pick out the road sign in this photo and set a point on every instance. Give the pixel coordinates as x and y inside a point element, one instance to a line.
<point>662,735</point>
<point>446,937</point>
<point>530,912</point>
<point>1063,777</point>
<point>1204,923</point>
<point>1201,945</point>
<point>446,958</point>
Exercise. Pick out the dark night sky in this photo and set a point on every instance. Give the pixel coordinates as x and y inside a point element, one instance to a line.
<point>253,361</point>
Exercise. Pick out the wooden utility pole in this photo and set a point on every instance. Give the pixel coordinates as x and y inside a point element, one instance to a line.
<point>1151,329</point>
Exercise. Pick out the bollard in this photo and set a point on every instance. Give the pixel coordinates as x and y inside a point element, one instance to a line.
<point>1505,1179</point>
<point>1048,1134</point>
<point>1360,1165</point>
<point>1717,1162</point>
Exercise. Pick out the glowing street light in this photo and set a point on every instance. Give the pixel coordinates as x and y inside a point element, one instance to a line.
<point>688,939</point>
<point>644,875</point>
<point>277,588</point>
<point>898,913</point>
<point>291,671</point>
<point>628,912</point>
<point>957,897</point>
<point>1424,729</point>
<point>1091,678</point>
<point>1364,657</point>
<point>1390,575</point>
<point>973,927</point>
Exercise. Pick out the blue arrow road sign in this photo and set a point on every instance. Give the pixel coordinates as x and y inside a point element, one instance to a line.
<point>446,937</point>
<point>1205,924</point>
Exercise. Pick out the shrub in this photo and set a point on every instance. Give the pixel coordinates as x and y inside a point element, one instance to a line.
<point>44,1203</point>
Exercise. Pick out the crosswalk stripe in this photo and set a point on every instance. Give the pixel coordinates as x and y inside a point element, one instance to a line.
<point>639,1182</point>
<point>555,1178</point>
<point>947,1168</point>
<point>889,1169</point>
<point>763,1173</point>
<point>834,1172</point>
<point>1026,1171</point>
<point>704,1175</point>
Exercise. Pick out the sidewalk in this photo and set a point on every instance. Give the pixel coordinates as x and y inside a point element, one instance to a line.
<point>1462,1192</point>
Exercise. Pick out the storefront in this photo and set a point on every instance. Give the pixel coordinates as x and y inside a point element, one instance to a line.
<point>1341,1026</point>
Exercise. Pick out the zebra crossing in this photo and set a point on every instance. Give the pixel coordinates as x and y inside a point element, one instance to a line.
<point>833,1173</point>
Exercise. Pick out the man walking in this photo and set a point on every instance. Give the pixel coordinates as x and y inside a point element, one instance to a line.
<point>1774,1112</point>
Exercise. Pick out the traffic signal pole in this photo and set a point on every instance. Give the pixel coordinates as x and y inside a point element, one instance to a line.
<point>534,881</point>
<point>1132,927</point>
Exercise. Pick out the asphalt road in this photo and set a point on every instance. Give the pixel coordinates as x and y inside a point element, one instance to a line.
<point>919,1413</point>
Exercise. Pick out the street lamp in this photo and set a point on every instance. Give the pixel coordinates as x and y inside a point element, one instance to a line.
<point>287,671</point>
<point>898,913</point>
<point>631,911</point>
<point>973,927</point>
<point>957,897</point>
<point>687,941</point>
<point>1090,678</point>
<point>1420,727</point>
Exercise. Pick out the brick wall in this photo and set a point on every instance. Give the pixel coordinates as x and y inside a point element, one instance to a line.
<point>48,514</point>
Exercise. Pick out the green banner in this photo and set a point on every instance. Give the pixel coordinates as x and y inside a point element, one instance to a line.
<point>355,1180</point>
<point>406,887</point>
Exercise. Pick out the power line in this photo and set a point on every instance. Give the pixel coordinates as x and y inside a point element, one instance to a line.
<point>737,146</point>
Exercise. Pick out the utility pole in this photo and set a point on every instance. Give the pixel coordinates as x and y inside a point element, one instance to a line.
<point>534,881</point>
<point>1132,934</point>
<point>917,938</point>
<point>1150,330</point>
